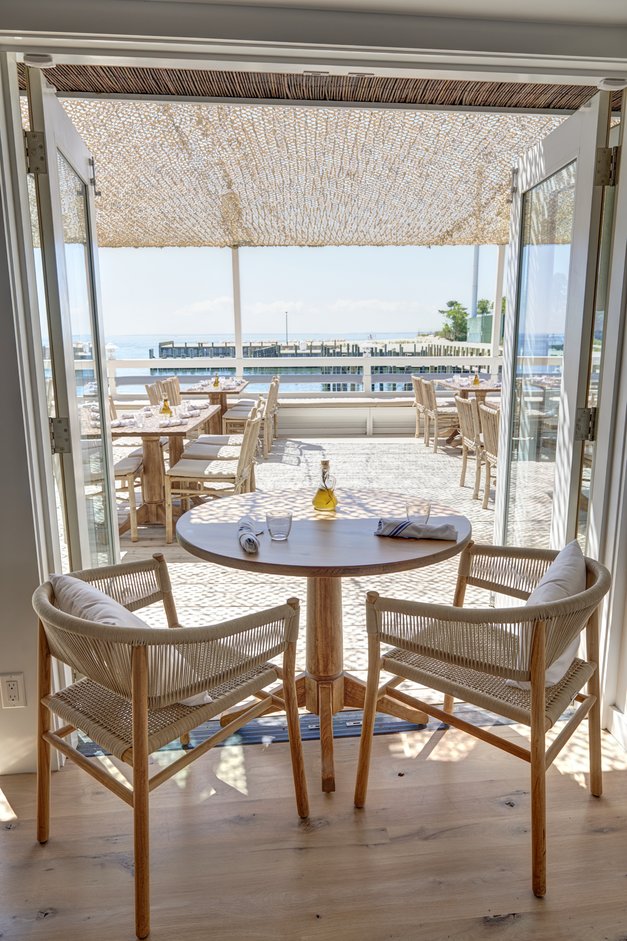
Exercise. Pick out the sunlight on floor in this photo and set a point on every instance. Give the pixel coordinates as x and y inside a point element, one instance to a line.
<point>232,768</point>
<point>7,814</point>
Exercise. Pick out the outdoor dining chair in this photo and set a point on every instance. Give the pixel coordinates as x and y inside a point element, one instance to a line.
<point>211,478</point>
<point>418,403</point>
<point>440,417</point>
<point>518,662</point>
<point>470,431</point>
<point>141,688</point>
<point>490,420</point>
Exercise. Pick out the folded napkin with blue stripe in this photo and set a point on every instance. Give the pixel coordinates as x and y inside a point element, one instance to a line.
<point>247,533</point>
<point>411,529</point>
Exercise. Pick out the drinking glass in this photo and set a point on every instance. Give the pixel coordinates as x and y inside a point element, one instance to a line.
<point>418,510</point>
<point>279,523</point>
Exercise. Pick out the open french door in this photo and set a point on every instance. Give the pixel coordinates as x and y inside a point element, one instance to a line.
<point>559,244</point>
<point>66,254</point>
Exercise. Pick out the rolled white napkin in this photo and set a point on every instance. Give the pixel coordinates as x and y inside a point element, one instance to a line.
<point>247,534</point>
<point>202,403</point>
<point>116,423</point>
<point>164,422</point>
<point>410,529</point>
<point>127,415</point>
<point>192,413</point>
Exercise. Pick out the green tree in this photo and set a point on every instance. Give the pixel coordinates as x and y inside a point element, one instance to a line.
<point>484,306</point>
<point>456,327</point>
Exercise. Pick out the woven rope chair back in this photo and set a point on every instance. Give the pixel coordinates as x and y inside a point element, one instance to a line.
<point>497,641</point>
<point>490,419</point>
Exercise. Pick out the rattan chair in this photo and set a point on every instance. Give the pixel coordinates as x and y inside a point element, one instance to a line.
<point>133,680</point>
<point>418,403</point>
<point>490,419</point>
<point>442,416</point>
<point>233,419</point>
<point>476,654</point>
<point>470,431</point>
<point>212,478</point>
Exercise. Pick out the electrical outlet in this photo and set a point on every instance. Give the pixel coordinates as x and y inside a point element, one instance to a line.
<point>12,690</point>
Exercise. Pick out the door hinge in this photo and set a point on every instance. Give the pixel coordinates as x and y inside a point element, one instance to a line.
<point>60,440</point>
<point>513,185</point>
<point>92,179</point>
<point>606,166</point>
<point>35,150</point>
<point>586,424</point>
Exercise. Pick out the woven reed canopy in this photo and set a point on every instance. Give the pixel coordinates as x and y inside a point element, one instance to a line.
<point>181,173</point>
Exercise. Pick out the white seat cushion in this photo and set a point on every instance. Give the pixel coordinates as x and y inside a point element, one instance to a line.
<point>204,470</point>
<point>127,465</point>
<point>210,452</point>
<point>82,600</point>
<point>233,440</point>
<point>566,576</point>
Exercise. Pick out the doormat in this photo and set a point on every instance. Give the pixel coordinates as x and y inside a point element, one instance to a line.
<point>273,728</point>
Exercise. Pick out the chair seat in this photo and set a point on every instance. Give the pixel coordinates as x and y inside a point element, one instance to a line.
<point>107,718</point>
<point>210,452</point>
<point>484,690</point>
<point>128,465</point>
<point>230,440</point>
<point>240,413</point>
<point>203,469</point>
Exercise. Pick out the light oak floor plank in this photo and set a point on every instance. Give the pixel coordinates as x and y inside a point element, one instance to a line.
<point>441,850</point>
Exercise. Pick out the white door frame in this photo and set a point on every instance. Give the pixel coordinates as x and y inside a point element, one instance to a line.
<point>60,136</point>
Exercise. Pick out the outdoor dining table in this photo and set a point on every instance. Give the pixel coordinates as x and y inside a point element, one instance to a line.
<point>463,387</point>
<point>150,432</point>
<point>324,549</point>
<point>217,396</point>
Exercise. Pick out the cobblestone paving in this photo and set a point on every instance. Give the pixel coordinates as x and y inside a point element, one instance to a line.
<point>207,593</point>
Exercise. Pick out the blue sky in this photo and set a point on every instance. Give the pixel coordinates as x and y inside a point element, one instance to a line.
<point>351,290</point>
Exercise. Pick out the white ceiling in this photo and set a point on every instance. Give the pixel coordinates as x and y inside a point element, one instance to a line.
<point>606,12</point>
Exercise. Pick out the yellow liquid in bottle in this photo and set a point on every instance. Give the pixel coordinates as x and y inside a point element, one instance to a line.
<point>325,500</point>
<point>165,409</point>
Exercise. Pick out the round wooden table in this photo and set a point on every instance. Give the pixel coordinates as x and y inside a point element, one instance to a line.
<point>324,549</point>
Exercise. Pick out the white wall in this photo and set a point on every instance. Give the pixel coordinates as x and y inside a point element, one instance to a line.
<point>19,574</point>
<point>312,36</point>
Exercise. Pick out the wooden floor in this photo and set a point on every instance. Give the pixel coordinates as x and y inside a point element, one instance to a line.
<point>440,852</point>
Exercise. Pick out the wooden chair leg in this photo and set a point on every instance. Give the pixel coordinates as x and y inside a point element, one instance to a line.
<point>417,432</point>
<point>449,702</point>
<point>594,716</point>
<point>462,479</point>
<point>132,507</point>
<point>538,764</point>
<point>475,493</point>
<point>141,838</point>
<point>168,510</point>
<point>43,748</point>
<point>435,433</point>
<point>486,495</point>
<point>367,727</point>
<point>427,430</point>
<point>293,730</point>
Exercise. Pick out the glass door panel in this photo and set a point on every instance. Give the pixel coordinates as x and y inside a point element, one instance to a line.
<point>51,400</point>
<point>595,362</point>
<point>73,197</point>
<point>547,225</point>
<point>553,273</point>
